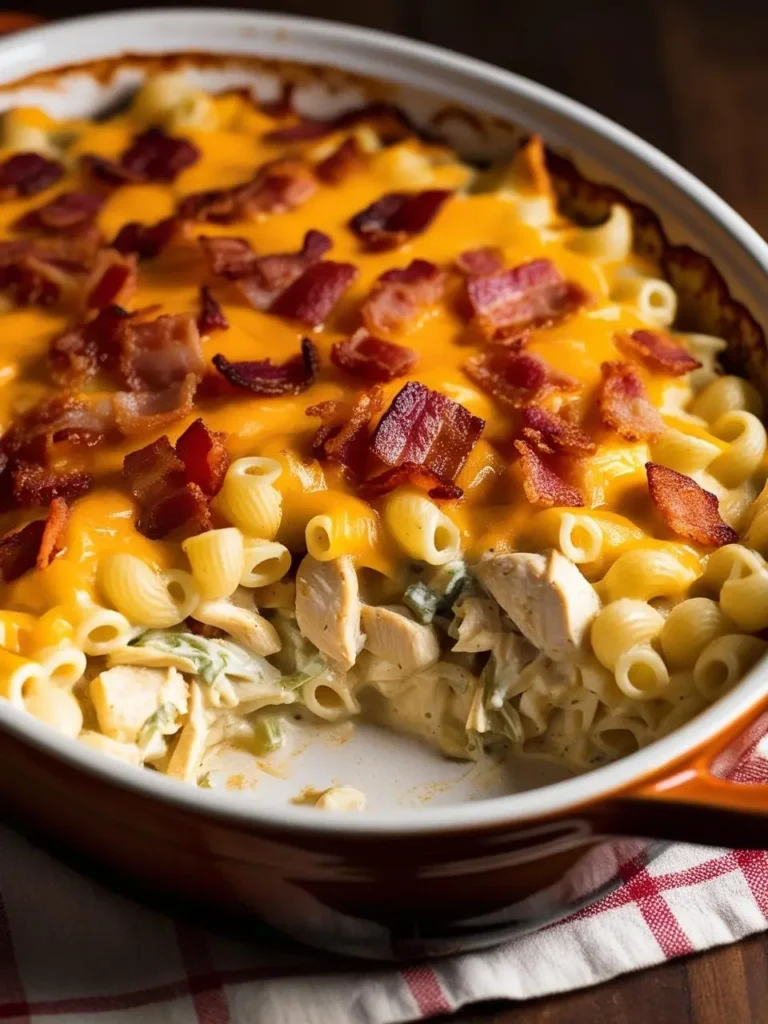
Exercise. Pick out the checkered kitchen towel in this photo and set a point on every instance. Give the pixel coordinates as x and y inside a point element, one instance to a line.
<point>72,950</point>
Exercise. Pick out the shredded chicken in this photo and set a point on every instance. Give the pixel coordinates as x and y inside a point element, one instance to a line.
<point>392,633</point>
<point>546,597</point>
<point>328,607</point>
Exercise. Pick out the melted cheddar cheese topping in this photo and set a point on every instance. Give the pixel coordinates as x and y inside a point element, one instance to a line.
<point>494,513</point>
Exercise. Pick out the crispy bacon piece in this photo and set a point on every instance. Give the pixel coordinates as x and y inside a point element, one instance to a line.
<point>151,156</point>
<point>35,485</point>
<point>343,436</point>
<point>112,280</point>
<point>401,294</point>
<point>476,262</point>
<point>185,505</point>
<point>159,353</point>
<point>658,352</point>
<point>45,271</point>
<point>263,279</point>
<point>410,473</point>
<point>428,429</point>
<point>344,161</point>
<point>67,213</point>
<point>624,405</point>
<point>277,187</point>
<point>173,486</point>
<point>63,418</point>
<point>263,377</point>
<point>232,258</point>
<point>204,455</point>
<point>211,316</point>
<point>397,217</point>
<point>515,379</point>
<point>311,297</point>
<point>389,123</point>
<point>88,346</point>
<point>371,358</point>
<point>34,545</point>
<point>544,480</point>
<point>530,295</point>
<point>687,509</point>
<point>140,412</point>
<point>146,240</point>
<point>548,432</point>
<point>26,174</point>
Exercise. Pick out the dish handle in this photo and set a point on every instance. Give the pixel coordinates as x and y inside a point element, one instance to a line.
<point>716,796</point>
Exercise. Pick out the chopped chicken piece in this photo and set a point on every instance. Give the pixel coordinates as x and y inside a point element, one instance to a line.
<point>328,607</point>
<point>479,626</point>
<point>126,696</point>
<point>392,633</point>
<point>190,747</point>
<point>546,597</point>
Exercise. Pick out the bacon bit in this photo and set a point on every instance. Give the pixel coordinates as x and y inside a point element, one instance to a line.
<point>550,433</point>
<point>162,480</point>
<point>343,437</point>
<point>186,505</point>
<point>389,123</point>
<point>658,352</point>
<point>146,240</point>
<point>211,316</point>
<point>371,358</point>
<point>624,405</point>
<point>26,174</point>
<point>113,278</point>
<point>263,279</point>
<point>152,156</point>
<point>513,378</point>
<point>428,429</point>
<point>44,272</point>
<point>532,294</point>
<point>63,418</point>
<point>312,296</point>
<point>67,214</point>
<point>162,352</point>
<point>232,258</point>
<point>395,218</point>
<point>140,412</point>
<point>34,545</point>
<point>687,509</point>
<point>343,162</point>
<point>263,377</point>
<point>204,455</point>
<point>480,262</point>
<point>277,187</point>
<point>543,481</point>
<point>35,485</point>
<point>400,294</point>
<point>88,346</point>
<point>410,473</point>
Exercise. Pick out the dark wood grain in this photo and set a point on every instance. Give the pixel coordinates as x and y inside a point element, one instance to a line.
<point>690,76</point>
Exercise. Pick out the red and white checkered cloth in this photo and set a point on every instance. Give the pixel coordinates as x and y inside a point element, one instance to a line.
<point>72,950</point>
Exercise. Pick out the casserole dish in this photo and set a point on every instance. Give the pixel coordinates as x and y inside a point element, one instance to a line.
<point>404,882</point>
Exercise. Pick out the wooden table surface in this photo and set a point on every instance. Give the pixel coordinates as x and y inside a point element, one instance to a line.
<point>690,76</point>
